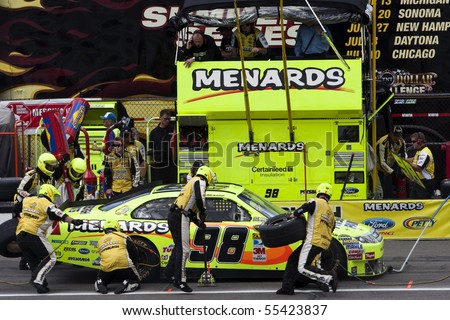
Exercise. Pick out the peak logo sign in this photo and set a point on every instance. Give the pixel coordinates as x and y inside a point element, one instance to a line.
<point>271,78</point>
<point>416,223</point>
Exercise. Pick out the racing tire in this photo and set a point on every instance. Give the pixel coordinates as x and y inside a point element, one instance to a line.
<point>149,259</point>
<point>8,188</point>
<point>340,257</point>
<point>8,243</point>
<point>282,230</point>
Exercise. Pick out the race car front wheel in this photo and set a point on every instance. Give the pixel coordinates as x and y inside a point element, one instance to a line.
<point>149,259</point>
<point>340,256</point>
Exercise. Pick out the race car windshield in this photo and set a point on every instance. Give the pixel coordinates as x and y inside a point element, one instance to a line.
<point>263,206</point>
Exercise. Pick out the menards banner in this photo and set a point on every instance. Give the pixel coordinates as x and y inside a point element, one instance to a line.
<point>318,88</point>
<point>396,219</point>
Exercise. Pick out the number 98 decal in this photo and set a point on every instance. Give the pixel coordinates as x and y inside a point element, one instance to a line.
<point>230,249</point>
<point>271,193</point>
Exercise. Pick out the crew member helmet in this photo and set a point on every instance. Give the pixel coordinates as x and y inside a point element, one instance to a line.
<point>206,173</point>
<point>77,168</point>
<point>197,164</point>
<point>126,132</point>
<point>49,191</point>
<point>398,131</point>
<point>47,163</point>
<point>111,225</point>
<point>324,188</point>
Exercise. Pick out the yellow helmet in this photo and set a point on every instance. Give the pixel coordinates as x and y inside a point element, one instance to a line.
<point>77,168</point>
<point>206,173</point>
<point>49,191</point>
<point>47,163</point>
<point>111,224</point>
<point>325,188</point>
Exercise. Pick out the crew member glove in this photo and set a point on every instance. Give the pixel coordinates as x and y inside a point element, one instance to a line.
<point>192,215</point>
<point>202,216</point>
<point>298,212</point>
<point>198,223</point>
<point>202,225</point>
<point>77,222</point>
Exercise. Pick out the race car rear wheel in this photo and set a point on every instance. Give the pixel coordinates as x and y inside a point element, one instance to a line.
<point>8,244</point>
<point>149,258</point>
<point>282,230</point>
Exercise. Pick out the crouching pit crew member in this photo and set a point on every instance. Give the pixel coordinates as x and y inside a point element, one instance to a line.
<point>118,259</point>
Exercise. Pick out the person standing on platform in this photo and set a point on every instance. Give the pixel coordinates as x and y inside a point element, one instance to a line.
<point>136,148</point>
<point>200,47</point>
<point>423,163</point>
<point>109,120</point>
<point>121,170</point>
<point>163,165</point>
<point>388,145</point>
<point>311,42</point>
<point>226,48</point>
<point>253,42</point>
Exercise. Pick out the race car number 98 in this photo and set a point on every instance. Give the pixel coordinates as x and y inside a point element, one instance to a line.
<point>295,310</point>
<point>231,247</point>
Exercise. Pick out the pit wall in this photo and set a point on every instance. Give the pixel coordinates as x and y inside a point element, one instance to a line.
<point>396,219</point>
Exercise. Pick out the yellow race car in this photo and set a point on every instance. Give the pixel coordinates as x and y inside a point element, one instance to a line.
<point>234,248</point>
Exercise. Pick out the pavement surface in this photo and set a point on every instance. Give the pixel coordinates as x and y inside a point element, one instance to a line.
<point>424,277</point>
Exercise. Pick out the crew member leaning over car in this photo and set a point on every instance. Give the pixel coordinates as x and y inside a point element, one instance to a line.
<point>121,170</point>
<point>38,214</point>
<point>189,206</point>
<point>46,171</point>
<point>319,229</point>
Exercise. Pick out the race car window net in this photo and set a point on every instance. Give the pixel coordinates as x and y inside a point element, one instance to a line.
<point>220,209</point>
<point>157,209</point>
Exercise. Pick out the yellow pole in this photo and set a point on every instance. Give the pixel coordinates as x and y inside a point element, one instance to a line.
<point>286,78</point>
<point>244,75</point>
<point>374,89</point>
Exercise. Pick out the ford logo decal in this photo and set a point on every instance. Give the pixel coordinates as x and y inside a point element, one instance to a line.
<point>83,251</point>
<point>351,190</point>
<point>379,223</point>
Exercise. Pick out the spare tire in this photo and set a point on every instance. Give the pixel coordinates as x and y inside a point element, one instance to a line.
<point>282,230</point>
<point>8,244</point>
<point>8,188</point>
<point>445,188</point>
